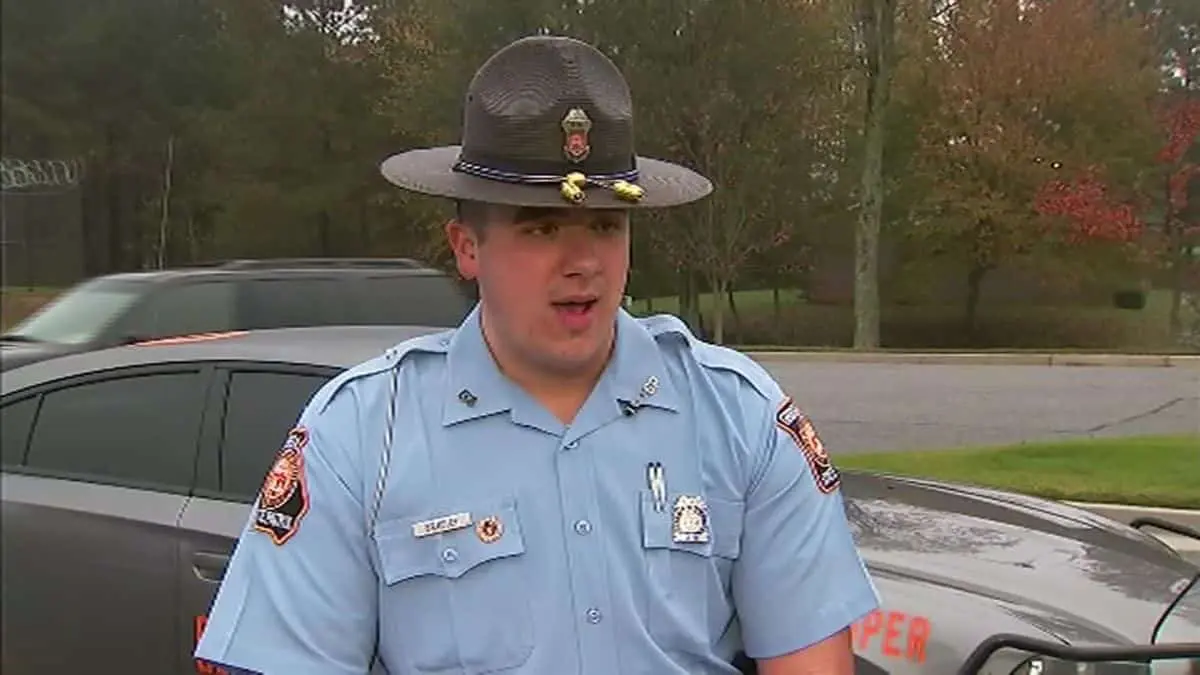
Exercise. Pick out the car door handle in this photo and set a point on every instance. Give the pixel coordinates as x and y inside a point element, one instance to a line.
<point>209,566</point>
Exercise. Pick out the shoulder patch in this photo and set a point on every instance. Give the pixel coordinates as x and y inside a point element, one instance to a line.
<point>283,498</point>
<point>792,421</point>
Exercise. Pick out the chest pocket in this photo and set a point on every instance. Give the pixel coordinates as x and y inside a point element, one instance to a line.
<point>689,549</point>
<point>455,601</point>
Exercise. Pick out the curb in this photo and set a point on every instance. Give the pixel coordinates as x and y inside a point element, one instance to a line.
<point>1189,361</point>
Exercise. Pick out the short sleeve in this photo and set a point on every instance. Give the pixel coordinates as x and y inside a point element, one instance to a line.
<point>800,578</point>
<point>299,593</point>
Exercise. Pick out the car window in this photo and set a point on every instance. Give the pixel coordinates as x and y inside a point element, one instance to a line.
<point>435,301</point>
<point>292,301</point>
<point>260,409</point>
<point>16,418</point>
<point>81,314</point>
<point>138,430</point>
<point>182,309</point>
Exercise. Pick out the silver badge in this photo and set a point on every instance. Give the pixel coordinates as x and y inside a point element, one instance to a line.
<point>441,525</point>
<point>690,521</point>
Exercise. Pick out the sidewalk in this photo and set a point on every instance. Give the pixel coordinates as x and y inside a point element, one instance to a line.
<point>978,358</point>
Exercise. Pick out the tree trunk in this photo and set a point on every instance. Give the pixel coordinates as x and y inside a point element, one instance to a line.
<point>877,18</point>
<point>1180,253</point>
<point>112,203</point>
<point>689,300</point>
<point>165,213</point>
<point>324,221</point>
<point>324,236</point>
<point>776,313</point>
<point>733,313</point>
<point>718,310</point>
<point>974,290</point>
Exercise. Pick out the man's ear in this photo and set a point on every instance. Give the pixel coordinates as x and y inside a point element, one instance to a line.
<point>464,245</point>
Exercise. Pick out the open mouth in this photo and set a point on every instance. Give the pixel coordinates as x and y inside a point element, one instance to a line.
<point>575,314</point>
<point>576,307</point>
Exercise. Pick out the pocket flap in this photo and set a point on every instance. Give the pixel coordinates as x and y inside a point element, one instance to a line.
<point>494,532</point>
<point>721,521</point>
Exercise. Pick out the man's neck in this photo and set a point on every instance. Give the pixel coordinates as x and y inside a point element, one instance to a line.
<point>562,393</point>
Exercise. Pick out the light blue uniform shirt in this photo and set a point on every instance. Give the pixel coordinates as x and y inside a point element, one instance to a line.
<point>494,538</point>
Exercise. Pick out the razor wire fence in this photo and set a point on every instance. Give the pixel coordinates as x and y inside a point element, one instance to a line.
<point>17,175</point>
<point>41,221</point>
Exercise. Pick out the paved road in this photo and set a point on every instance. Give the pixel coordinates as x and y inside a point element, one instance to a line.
<point>880,406</point>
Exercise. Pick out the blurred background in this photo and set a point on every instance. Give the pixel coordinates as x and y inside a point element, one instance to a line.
<point>991,174</point>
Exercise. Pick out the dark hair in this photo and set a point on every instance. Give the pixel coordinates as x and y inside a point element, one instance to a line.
<point>475,215</point>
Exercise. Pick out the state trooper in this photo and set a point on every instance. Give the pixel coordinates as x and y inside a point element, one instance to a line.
<point>554,487</point>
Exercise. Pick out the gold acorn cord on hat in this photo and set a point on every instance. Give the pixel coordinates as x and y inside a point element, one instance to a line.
<point>571,185</point>
<point>574,183</point>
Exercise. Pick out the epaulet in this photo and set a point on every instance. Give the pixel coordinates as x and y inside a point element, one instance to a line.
<point>434,343</point>
<point>712,356</point>
<point>663,327</point>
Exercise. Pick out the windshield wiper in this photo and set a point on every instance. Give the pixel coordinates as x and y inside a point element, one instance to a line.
<point>17,337</point>
<point>1074,654</point>
<point>1166,525</point>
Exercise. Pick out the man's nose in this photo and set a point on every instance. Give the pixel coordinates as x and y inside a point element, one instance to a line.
<point>580,253</point>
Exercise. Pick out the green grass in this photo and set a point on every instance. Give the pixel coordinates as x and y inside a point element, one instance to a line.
<point>1145,471</point>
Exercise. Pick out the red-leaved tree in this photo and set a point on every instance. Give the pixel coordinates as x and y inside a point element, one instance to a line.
<point>989,111</point>
<point>1090,212</point>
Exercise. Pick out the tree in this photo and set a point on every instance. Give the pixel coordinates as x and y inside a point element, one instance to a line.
<point>1005,123</point>
<point>291,166</point>
<point>749,93</point>
<point>877,21</point>
<point>112,84</point>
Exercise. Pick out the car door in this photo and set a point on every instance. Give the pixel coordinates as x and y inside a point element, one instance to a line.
<point>92,495</point>
<point>254,407</point>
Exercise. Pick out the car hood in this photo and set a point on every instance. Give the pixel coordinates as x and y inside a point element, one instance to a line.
<point>13,354</point>
<point>974,562</point>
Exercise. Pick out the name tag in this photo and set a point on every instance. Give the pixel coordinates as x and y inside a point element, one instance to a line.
<point>441,524</point>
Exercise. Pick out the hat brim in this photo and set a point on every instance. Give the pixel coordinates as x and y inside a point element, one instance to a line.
<point>428,171</point>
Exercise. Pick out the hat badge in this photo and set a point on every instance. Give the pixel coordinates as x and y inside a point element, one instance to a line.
<point>576,125</point>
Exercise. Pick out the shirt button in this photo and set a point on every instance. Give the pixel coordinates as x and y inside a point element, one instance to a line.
<point>582,527</point>
<point>572,445</point>
<point>593,615</point>
<point>449,555</point>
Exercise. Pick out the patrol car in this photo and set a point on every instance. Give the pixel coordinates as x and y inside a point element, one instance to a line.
<point>128,475</point>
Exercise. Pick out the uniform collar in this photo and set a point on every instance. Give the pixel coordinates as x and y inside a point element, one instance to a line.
<point>636,376</point>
